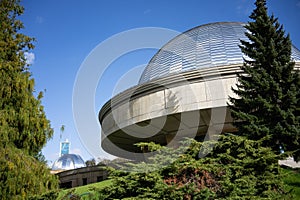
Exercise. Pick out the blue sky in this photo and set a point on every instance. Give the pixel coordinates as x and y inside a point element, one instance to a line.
<point>66,31</point>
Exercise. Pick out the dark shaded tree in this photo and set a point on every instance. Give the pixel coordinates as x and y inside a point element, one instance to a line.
<point>268,87</point>
<point>24,128</point>
<point>91,162</point>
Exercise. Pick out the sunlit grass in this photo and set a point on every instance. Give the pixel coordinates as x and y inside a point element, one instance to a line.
<point>84,190</point>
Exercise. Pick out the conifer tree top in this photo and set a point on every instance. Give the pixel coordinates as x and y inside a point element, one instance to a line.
<point>268,87</point>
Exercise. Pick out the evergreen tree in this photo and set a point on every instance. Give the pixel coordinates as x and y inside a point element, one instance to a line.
<point>24,128</point>
<point>268,87</point>
<point>22,176</point>
<point>236,168</point>
<point>23,122</point>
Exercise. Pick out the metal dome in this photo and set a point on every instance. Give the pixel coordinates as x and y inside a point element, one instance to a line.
<point>67,162</point>
<point>209,45</point>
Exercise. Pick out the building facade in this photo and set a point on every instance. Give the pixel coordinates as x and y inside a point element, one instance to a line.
<point>183,92</point>
<point>82,176</point>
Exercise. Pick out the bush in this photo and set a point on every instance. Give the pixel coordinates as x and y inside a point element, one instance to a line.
<point>236,168</point>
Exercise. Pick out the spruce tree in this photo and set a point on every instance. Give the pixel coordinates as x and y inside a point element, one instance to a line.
<point>267,107</point>
<point>24,128</point>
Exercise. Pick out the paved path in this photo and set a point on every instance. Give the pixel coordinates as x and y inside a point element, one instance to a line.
<point>289,162</point>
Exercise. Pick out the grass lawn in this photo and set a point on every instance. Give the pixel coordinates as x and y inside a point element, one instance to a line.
<point>292,181</point>
<point>84,190</point>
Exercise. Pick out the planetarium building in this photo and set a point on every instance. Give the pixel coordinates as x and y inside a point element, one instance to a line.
<point>182,92</point>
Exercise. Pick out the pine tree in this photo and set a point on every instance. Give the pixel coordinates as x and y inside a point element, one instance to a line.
<point>24,128</point>
<point>268,87</point>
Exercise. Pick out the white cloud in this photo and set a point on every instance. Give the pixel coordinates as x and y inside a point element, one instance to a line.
<point>29,56</point>
<point>298,4</point>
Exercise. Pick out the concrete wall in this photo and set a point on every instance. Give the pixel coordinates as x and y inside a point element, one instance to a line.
<point>82,176</point>
<point>192,104</point>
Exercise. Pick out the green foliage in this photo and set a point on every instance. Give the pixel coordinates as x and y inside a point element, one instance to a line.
<point>91,162</point>
<point>22,176</point>
<point>291,178</point>
<point>268,88</point>
<point>23,122</point>
<point>237,168</point>
<point>251,171</point>
<point>51,195</point>
<point>24,128</point>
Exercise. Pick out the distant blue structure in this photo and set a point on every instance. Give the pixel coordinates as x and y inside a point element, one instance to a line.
<point>64,148</point>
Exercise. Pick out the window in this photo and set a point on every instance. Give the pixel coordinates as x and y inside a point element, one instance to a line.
<point>66,185</point>
<point>99,178</point>
<point>84,181</point>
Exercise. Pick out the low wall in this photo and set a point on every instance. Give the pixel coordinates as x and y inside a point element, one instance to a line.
<point>82,176</point>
